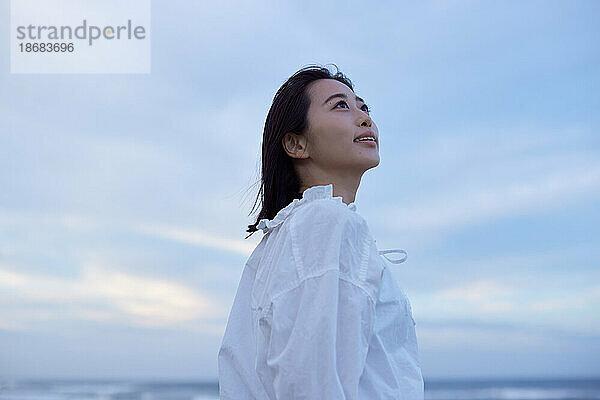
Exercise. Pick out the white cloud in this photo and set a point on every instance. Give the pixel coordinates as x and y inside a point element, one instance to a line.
<point>517,299</point>
<point>476,291</point>
<point>481,297</point>
<point>568,301</point>
<point>104,294</point>
<point>197,237</point>
<point>471,205</point>
<point>81,222</point>
<point>483,338</point>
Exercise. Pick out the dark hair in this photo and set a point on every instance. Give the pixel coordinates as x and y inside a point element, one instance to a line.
<point>280,183</point>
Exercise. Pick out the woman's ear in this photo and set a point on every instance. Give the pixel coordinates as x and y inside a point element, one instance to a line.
<point>295,145</point>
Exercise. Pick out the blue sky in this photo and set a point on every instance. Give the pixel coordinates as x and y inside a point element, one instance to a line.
<point>126,197</point>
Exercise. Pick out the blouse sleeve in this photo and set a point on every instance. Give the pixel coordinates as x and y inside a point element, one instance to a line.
<point>321,328</point>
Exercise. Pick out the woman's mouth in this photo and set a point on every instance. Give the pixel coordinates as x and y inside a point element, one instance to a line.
<point>367,141</point>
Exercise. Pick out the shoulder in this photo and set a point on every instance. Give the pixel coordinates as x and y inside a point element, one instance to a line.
<point>326,234</point>
<point>326,224</point>
<point>327,214</point>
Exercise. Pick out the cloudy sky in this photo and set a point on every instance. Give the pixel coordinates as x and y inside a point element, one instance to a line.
<point>125,197</point>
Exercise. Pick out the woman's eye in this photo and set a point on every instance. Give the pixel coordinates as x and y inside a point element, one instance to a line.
<point>364,106</point>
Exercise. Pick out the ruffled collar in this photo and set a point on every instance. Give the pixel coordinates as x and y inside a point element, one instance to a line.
<point>315,193</point>
<point>309,194</point>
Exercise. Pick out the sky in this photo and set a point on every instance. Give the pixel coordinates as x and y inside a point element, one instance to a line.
<point>125,197</point>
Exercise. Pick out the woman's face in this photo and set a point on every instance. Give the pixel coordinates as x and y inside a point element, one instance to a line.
<point>334,124</point>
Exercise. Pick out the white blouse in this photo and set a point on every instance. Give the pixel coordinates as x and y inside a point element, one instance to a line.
<point>317,313</point>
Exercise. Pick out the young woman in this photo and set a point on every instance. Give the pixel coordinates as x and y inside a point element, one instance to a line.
<point>317,314</point>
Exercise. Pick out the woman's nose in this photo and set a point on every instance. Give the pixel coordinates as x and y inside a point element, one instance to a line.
<point>365,120</point>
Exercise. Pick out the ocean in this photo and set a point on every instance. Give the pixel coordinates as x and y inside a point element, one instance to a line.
<point>499,389</point>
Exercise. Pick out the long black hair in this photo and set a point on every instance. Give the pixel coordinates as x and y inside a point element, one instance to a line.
<point>280,183</point>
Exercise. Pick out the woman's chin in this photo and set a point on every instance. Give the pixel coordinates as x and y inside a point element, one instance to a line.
<point>370,162</point>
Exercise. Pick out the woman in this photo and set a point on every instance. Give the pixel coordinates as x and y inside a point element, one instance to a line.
<point>317,314</point>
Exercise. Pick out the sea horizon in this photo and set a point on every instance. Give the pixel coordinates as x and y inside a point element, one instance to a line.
<point>441,388</point>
